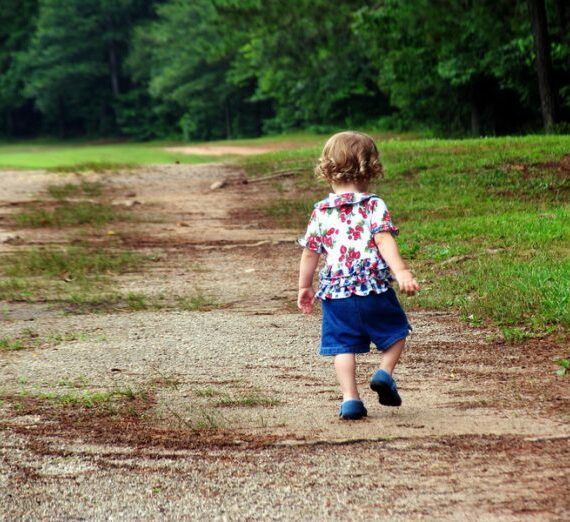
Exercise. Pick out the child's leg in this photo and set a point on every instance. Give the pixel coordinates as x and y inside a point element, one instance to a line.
<point>345,366</point>
<point>391,356</point>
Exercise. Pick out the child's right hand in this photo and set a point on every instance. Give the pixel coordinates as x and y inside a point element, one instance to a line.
<point>306,299</point>
<point>407,282</point>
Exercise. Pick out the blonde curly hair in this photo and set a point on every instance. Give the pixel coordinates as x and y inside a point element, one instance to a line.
<point>349,157</point>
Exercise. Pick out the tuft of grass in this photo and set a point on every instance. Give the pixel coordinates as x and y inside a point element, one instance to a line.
<point>29,339</point>
<point>249,400</point>
<point>136,301</point>
<point>70,214</point>
<point>67,190</point>
<point>71,263</point>
<point>564,367</point>
<point>209,391</point>
<point>10,345</point>
<point>76,276</point>
<point>93,166</point>
<point>197,302</point>
<point>88,399</point>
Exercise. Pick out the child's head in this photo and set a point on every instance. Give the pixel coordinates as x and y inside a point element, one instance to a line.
<point>349,157</point>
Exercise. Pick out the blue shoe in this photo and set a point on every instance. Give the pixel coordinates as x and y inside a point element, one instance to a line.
<point>383,384</point>
<point>352,410</point>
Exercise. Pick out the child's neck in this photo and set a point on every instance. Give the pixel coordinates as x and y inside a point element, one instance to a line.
<point>343,188</point>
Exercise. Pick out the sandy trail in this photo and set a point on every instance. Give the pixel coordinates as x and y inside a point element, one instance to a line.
<point>230,150</point>
<point>478,437</point>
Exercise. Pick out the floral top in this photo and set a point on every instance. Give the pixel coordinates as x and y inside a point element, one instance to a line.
<point>342,227</point>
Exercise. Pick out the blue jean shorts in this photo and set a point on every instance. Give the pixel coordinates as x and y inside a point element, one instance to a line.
<point>351,323</point>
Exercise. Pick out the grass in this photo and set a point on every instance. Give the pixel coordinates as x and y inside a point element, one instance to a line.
<point>248,400</point>
<point>82,156</point>
<point>73,263</point>
<point>224,399</point>
<point>29,339</point>
<point>78,276</point>
<point>67,190</point>
<point>70,214</point>
<point>197,302</point>
<point>112,401</point>
<point>485,223</point>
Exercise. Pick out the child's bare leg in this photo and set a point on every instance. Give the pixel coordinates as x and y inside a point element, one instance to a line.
<point>345,366</point>
<point>391,356</point>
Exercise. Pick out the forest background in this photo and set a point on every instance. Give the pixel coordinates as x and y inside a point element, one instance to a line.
<point>211,69</point>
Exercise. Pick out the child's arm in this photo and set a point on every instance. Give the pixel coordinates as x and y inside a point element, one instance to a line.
<point>306,296</point>
<point>389,251</point>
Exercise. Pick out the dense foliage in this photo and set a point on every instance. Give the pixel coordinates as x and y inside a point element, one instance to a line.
<point>206,69</point>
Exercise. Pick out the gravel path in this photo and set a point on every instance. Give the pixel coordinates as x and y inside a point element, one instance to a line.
<point>245,408</point>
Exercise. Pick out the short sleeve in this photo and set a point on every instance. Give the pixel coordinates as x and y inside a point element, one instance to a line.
<point>380,219</point>
<point>313,238</point>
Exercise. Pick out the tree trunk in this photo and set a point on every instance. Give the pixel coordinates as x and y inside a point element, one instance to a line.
<point>114,70</point>
<point>61,126</point>
<point>9,123</point>
<point>475,119</point>
<point>228,119</point>
<point>537,12</point>
<point>562,18</point>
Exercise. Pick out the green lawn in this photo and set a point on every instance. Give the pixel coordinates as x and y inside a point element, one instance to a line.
<point>81,155</point>
<point>484,222</point>
<point>62,156</point>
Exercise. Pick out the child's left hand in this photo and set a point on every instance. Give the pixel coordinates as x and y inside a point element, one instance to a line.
<point>306,300</point>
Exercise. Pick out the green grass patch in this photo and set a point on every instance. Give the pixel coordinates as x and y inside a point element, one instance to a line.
<point>564,367</point>
<point>90,189</point>
<point>484,222</point>
<point>92,166</point>
<point>81,156</point>
<point>246,400</point>
<point>29,339</point>
<point>93,399</point>
<point>77,277</point>
<point>196,302</point>
<point>73,263</point>
<point>70,214</point>
<point>209,391</point>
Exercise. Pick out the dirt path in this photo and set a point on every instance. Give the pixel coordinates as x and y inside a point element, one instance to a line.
<point>239,418</point>
<point>230,150</point>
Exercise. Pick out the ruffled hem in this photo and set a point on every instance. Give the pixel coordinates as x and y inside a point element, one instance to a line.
<point>362,278</point>
<point>363,289</point>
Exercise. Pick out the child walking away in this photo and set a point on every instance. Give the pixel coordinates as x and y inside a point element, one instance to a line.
<point>352,228</point>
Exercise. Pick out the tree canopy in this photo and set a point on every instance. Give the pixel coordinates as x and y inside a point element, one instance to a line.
<point>205,69</point>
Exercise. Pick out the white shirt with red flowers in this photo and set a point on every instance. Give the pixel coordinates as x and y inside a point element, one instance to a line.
<point>342,227</point>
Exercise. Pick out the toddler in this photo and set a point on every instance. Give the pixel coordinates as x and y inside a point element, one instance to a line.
<point>352,228</point>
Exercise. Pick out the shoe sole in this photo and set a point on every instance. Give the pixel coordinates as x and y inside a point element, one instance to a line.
<point>352,417</point>
<point>385,394</point>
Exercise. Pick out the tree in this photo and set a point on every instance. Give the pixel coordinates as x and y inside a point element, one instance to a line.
<point>74,63</point>
<point>184,56</point>
<point>548,102</point>
<point>17,25</point>
<point>306,61</point>
<point>452,65</point>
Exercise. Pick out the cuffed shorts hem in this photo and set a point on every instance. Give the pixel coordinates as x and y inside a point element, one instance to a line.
<point>394,339</point>
<point>337,350</point>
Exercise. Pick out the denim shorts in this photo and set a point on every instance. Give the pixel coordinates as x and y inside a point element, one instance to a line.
<point>351,323</point>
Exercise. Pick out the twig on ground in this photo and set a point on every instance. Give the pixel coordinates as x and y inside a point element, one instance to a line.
<point>276,174</point>
<point>458,259</point>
